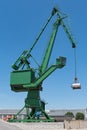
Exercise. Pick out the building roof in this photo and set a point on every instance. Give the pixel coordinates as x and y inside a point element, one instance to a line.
<point>57,112</point>
<point>62,112</point>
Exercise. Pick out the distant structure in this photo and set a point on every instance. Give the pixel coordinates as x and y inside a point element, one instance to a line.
<point>58,114</point>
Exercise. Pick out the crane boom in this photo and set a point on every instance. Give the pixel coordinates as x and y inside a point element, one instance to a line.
<point>22,60</point>
<point>49,48</point>
<point>48,52</point>
<point>67,31</point>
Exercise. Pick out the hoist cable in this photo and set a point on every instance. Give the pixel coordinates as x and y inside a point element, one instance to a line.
<point>75,62</point>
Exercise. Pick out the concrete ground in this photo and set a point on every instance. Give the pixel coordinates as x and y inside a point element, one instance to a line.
<point>7,126</point>
<point>31,126</point>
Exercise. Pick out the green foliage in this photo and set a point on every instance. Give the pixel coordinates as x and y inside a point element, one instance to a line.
<point>70,114</point>
<point>79,116</point>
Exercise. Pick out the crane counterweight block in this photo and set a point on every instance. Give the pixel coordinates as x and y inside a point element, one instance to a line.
<point>61,62</point>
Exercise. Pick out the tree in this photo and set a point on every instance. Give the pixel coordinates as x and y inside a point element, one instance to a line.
<point>80,116</point>
<point>70,114</point>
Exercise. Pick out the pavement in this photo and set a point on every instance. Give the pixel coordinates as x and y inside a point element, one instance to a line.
<point>7,126</point>
<point>31,126</point>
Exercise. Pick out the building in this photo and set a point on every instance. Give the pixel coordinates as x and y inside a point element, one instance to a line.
<point>58,114</point>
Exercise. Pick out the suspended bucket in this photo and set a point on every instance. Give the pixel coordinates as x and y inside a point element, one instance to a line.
<point>76,84</point>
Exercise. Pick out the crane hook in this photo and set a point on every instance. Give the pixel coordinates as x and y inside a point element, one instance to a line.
<point>75,84</point>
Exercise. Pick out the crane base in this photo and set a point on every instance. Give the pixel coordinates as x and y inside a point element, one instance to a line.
<point>32,120</point>
<point>33,110</point>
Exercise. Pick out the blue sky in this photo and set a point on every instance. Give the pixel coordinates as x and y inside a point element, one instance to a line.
<point>20,23</point>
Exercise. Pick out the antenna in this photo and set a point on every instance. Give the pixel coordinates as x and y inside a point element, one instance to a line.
<point>75,84</point>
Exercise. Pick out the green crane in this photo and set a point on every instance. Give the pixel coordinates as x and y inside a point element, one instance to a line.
<point>24,79</point>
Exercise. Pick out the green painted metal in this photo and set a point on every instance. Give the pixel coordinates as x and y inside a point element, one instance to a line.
<point>23,77</point>
<point>69,35</point>
<point>48,52</point>
<point>26,53</point>
<point>25,80</point>
<point>60,62</point>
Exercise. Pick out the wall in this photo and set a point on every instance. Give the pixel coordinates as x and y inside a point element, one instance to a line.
<point>75,124</point>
